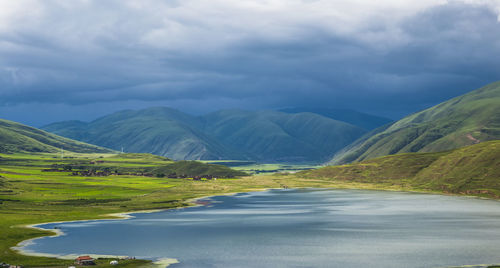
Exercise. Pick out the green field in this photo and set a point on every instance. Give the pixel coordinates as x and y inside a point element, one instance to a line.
<point>29,195</point>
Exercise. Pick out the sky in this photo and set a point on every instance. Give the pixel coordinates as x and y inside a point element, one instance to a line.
<point>82,59</point>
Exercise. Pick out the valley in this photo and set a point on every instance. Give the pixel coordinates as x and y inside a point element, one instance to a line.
<point>439,150</point>
<point>262,136</point>
<point>43,184</point>
<point>249,133</point>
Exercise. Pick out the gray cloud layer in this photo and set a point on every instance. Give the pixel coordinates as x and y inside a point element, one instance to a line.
<point>390,58</point>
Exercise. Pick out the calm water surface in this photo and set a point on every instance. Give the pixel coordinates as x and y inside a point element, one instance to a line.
<point>300,228</point>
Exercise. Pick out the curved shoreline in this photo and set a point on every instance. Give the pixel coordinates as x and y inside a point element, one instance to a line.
<point>163,262</point>
<point>20,247</point>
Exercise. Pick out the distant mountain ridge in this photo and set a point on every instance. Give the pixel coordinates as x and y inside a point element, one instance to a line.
<point>16,137</point>
<point>229,134</point>
<point>461,121</point>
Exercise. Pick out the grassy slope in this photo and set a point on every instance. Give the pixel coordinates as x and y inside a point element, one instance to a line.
<point>461,121</point>
<point>230,134</point>
<point>473,170</point>
<point>15,137</point>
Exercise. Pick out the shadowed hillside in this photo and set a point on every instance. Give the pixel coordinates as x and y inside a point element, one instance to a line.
<point>461,121</point>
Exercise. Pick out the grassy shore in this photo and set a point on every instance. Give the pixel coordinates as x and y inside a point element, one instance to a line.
<point>471,170</point>
<point>32,191</point>
<point>29,195</point>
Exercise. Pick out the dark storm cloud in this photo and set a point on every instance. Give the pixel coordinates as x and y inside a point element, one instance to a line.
<point>89,54</point>
<point>449,50</point>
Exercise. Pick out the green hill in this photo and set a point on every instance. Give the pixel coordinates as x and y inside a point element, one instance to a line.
<point>473,169</point>
<point>362,120</point>
<point>15,138</point>
<point>230,134</point>
<point>461,121</point>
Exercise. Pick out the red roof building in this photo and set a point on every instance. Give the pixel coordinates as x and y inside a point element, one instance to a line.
<point>84,260</point>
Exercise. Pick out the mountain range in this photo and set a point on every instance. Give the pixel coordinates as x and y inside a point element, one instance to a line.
<point>265,136</point>
<point>291,135</point>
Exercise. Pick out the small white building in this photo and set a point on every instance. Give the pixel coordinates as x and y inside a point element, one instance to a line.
<point>113,262</point>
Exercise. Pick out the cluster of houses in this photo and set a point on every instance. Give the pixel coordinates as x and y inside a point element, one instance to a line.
<point>68,167</point>
<point>86,173</point>
<point>91,173</point>
<point>52,170</point>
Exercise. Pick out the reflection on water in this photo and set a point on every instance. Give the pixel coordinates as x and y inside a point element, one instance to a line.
<point>300,228</point>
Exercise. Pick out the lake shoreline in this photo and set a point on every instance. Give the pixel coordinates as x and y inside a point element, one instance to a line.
<point>193,202</point>
<point>165,262</point>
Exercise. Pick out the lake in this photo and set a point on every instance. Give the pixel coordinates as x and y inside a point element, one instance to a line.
<point>299,228</point>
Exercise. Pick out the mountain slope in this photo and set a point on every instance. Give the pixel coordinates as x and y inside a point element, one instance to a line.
<point>362,120</point>
<point>15,137</point>
<point>473,169</point>
<point>461,121</point>
<point>228,134</point>
<point>160,131</point>
<point>277,136</point>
